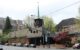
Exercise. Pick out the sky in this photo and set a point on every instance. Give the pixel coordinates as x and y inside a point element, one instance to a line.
<point>20,9</point>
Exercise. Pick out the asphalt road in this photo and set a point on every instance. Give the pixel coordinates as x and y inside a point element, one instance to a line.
<point>25,48</point>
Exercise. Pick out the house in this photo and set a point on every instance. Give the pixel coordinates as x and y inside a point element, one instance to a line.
<point>69,25</point>
<point>14,23</point>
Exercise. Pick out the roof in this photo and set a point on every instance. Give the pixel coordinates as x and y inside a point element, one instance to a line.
<point>66,22</point>
<point>13,22</point>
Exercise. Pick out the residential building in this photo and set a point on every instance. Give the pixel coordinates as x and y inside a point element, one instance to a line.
<point>69,25</point>
<point>14,23</point>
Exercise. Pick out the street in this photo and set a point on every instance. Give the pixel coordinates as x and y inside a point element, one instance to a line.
<point>25,48</point>
<point>15,48</point>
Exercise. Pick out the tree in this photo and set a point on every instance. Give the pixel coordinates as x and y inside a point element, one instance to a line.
<point>27,22</point>
<point>8,26</point>
<point>49,24</point>
<point>4,38</point>
<point>78,21</point>
<point>77,24</point>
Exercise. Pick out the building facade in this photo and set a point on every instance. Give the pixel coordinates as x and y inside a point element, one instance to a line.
<point>68,24</point>
<point>14,23</point>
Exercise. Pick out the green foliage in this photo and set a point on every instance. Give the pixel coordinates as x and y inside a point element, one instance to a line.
<point>8,26</point>
<point>4,37</point>
<point>78,22</point>
<point>78,41</point>
<point>49,24</point>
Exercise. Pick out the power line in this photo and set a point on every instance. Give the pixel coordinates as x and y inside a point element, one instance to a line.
<point>64,7</point>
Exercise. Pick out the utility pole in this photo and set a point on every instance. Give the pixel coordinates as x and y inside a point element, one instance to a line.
<point>79,11</point>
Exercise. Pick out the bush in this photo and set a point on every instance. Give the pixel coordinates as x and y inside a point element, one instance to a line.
<point>78,41</point>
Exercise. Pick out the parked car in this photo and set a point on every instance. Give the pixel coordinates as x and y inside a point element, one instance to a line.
<point>26,45</point>
<point>6,44</point>
<point>13,44</point>
<point>76,46</point>
<point>18,44</point>
<point>32,45</point>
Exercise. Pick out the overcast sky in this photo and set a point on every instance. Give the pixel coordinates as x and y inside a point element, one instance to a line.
<point>19,9</point>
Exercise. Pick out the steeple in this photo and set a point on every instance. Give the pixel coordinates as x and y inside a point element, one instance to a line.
<point>38,10</point>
